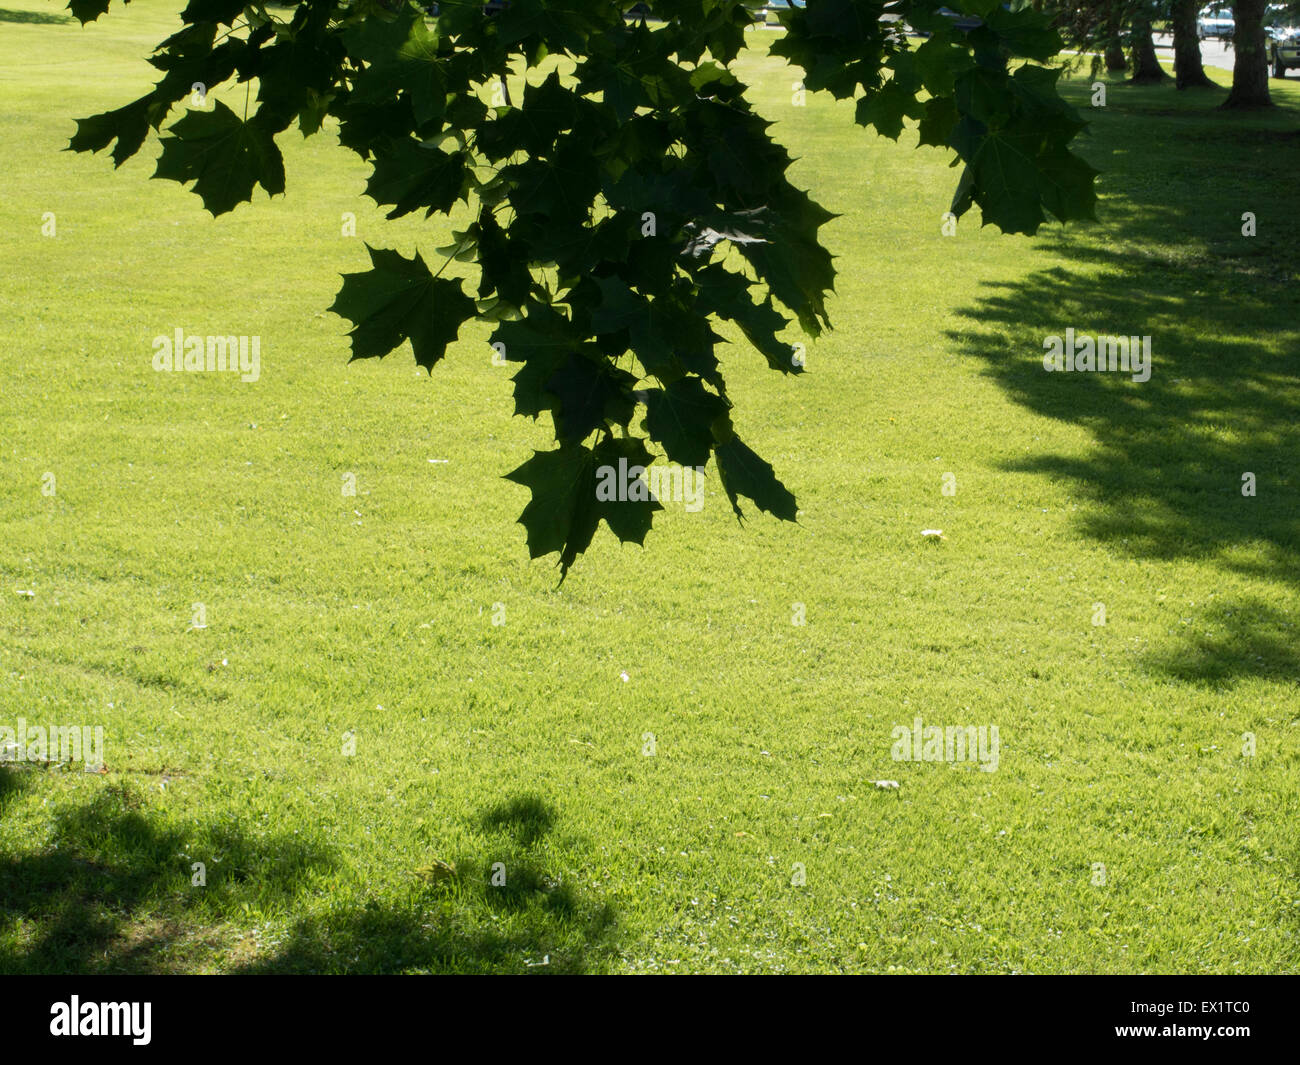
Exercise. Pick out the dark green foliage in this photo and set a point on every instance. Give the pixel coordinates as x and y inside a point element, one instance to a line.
<point>620,212</point>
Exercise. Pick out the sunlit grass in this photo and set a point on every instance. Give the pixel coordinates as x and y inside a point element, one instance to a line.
<point>372,617</point>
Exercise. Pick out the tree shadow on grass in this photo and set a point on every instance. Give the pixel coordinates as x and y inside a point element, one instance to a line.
<point>38,18</point>
<point>10,786</point>
<point>1247,636</point>
<point>507,912</point>
<point>527,818</point>
<point>1165,475</point>
<point>112,891</point>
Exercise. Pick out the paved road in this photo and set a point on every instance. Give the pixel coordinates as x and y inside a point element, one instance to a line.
<point>1214,53</point>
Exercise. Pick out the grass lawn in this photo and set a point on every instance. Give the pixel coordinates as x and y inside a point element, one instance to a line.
<point>522,743</point>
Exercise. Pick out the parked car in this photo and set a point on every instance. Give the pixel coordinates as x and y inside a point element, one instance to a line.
<point>1280,22</point>
<point>1277,15</point>
<point>1215,23</point>
<point>1284,51</point>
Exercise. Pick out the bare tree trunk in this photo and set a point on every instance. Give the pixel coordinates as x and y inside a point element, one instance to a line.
<point>1189,73</point>
<point>1114,46</point>
<point>1146,67</point>
<point>1250,62</point>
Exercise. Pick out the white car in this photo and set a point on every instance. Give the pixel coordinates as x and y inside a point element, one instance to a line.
<point>1212,23</point>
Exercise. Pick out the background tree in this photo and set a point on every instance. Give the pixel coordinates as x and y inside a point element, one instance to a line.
<point>1189,71</point>
<point>1113,53</point>
<point>1145,63</point>
<point>616,214</point>
<point>1096,28</point>
<point>1250,57</point>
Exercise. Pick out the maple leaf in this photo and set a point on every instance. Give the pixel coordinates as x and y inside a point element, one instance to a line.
<point>223,155</point>
<point>399,299</point>
<point>566,509</point>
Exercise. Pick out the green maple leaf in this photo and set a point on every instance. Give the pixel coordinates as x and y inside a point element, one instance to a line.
<point>1024,33</point>
<point>127,125</point>
<point>224,11</point>
<point>223,155</point>
<point>295,80</point>
<point>591,393</point>
<point>681,418</point>
<point>561,516</point>
<point>887,108</point>
<point>727,295</point>
<point>1067,185</point>
<point>421,73</point>
<point>796,268</point>
<point>542,341</point>
<point>639,74</point>
<point>397,300</point>
<point>401,55</point>
<point>939,62</point>
<point>89,10</point>
<point>416,174</point>
<point>668,337</point>
<point>938,119</point>
<point>547,111</point>
<point>743,473</point>
<point>1004,172</point>
<point>560,189</point>
<point>564,511</point>
<point>739,152</point>
<point>502,267</point>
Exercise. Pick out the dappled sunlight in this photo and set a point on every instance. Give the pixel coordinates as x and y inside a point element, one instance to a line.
<point>1166,476</point>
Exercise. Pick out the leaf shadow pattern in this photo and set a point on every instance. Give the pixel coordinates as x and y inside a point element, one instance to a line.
<point>113,892</point>
<point>527,818</point>
<point>504,913</point>
<point>1246,635</point>
<point>1166,475</point>
<point>38,18</point>
<point>11,784</point>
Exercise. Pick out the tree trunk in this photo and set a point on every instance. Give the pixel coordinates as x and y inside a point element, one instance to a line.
<point>1188,71</point>
<point>1146,67</point>
<point>1250,62</point>
<point>1114,46</point>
